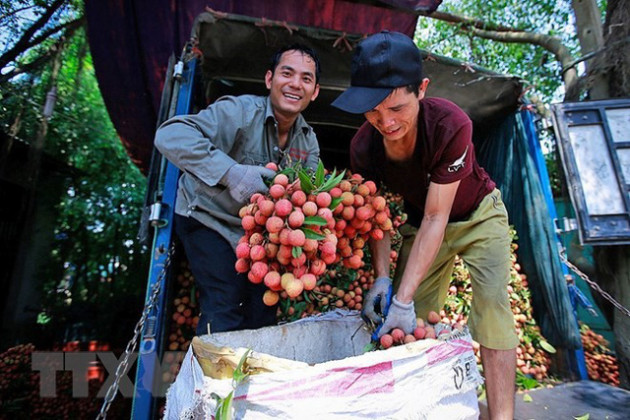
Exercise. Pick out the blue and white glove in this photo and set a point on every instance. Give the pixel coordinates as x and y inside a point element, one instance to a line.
<point>400,315</point>
<point>377,296</point>
<point>242,181</point>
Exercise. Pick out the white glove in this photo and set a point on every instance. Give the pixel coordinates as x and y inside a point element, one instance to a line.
<point>400,315</point>
<point>242,181</point>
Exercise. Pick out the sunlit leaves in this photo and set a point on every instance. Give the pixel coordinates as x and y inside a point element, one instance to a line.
<point>533,63</point>
<point>95,258</point>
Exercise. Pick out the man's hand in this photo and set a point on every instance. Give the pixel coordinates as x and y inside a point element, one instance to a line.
<point>377,295</point>
<point>400,315</point>
<point>242,181</point>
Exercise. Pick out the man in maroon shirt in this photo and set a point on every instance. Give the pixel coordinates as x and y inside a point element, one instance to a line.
<point>422,149</point>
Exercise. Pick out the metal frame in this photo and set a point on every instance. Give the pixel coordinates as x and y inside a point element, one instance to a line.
<point>611,229</point>
<point>148,376</point>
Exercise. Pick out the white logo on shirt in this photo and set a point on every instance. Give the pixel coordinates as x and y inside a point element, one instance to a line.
<point>459,163</point>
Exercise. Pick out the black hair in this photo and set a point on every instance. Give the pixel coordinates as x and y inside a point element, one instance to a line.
<point>275,59</point>
<point>413,88</point>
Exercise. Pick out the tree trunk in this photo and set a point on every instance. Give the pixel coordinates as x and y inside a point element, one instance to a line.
<point>613,262</point>
<point>613,275</point>
<point>617,56</point>
<point>589,30</point>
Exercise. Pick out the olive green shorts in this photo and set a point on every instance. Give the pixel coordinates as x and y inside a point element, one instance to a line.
<point>483,243</point>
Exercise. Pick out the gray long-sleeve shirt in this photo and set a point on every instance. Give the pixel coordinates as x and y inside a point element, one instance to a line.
<point>204,146</point>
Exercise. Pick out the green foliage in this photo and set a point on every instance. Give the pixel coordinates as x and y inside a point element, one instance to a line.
<point>224,405</point>
<point>16,16</point>
<point>534,64</point>
<point>98,221</point>
<point>554,168</point>
<point>524,382</point>
<point>32,31</point>
<point>313,182</point>
<point>96,269</point>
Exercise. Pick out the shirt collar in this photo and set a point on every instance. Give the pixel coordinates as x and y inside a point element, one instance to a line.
<point>299,124</point>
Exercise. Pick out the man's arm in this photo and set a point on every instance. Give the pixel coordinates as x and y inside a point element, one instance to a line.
<point>380,255</point>
<point>195,143</point>
<point>428,239</point>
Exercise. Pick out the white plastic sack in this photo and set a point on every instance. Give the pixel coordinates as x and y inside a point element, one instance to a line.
<point>428,379</point>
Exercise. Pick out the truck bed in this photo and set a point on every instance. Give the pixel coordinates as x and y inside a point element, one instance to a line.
<point>571,400</point>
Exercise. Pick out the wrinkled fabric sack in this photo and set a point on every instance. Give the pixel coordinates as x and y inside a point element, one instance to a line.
<point>427,379</point>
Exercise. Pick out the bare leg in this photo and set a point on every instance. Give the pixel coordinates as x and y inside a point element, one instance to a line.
<point>499,368</point>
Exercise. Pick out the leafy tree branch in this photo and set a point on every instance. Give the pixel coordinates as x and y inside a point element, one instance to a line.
<point>24,42</point>
<point>506,34</point>
<point>466,21</point>
<point>40,31</point>
<point>39,60</point>
<point>548,42</point>
<point>14,12</point>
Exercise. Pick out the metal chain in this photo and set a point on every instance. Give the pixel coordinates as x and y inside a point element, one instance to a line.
<point>594,285</point>
<point>123,366</point>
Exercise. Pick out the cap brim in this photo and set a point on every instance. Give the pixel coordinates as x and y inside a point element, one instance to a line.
<point>359,99</point>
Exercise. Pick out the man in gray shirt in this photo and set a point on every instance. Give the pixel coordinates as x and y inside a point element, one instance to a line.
<point>221,152</point>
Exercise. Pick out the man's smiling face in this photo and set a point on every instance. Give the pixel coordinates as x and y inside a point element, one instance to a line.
<point>292,86</point>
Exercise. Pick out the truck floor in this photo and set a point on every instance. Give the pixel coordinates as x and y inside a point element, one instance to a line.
<point>571,400</point>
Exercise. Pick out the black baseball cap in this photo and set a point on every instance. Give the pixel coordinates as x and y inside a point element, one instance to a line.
<point>381,63</point>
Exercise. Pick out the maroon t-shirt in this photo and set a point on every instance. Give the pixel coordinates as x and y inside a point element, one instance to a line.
<point>444,153</point>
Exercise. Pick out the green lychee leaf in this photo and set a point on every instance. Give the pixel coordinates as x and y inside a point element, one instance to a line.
<point>315,220</point>
<point>286,171</point>
<point>239,373</point>
<point>527,398</point>
<point>369,347</point>
<point>547,347</point>
<point>332,181</point>
<point>285,303</point>
<point>584,417</point>
<point>319,173</point>
<point>224,408</point>
<point>327,182</point>
<point>305,182</point>
<point>311,234</point>
<point>529,383</point>
<point>296,251</point>
<point>335,202</point>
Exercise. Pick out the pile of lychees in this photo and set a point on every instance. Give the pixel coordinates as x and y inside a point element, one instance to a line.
<point>308,221</point>
<point>432,328</point>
